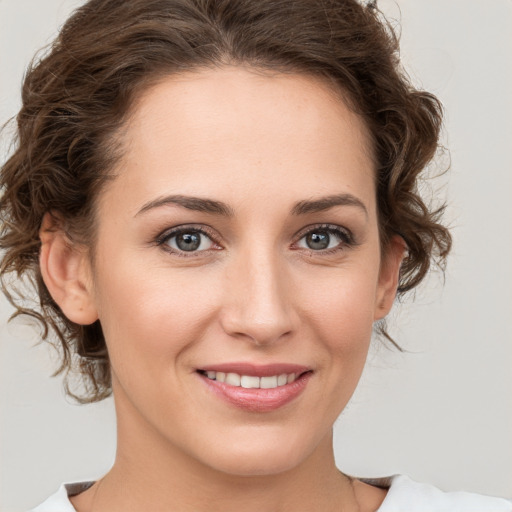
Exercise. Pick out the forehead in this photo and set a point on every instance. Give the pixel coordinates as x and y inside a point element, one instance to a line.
<point>214,131</point>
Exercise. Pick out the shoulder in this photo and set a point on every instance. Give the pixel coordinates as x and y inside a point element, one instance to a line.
<point>59,502</point>
<point>403,495</point>
<point>406,495</point>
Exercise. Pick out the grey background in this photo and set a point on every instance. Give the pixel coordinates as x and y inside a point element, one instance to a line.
<point>441,414</point>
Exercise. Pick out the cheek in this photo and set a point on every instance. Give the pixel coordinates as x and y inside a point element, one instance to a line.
<point>346,323</point>
<point>152,316</point>
<point>339,312</point>
<point>342,306</point>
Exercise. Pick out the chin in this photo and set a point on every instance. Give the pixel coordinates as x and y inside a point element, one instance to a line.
<point>260,458</point>
<point>257,465</point>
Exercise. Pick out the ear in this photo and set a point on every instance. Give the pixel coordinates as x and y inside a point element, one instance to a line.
<point>389,273</point>
<point>65,269</point>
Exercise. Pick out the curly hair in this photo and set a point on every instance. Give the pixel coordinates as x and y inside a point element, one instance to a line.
<point>76,98</point>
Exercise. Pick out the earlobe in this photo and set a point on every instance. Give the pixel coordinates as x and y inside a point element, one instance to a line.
<point>65,271</point>
<point>389,275</point>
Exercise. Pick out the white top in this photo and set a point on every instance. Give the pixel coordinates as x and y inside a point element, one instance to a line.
<point>404,495</point>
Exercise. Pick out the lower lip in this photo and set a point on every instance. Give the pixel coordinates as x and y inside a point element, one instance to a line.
<point>255,399</point>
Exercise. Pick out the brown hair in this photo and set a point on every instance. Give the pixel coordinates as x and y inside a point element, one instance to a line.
<point>76,98</point>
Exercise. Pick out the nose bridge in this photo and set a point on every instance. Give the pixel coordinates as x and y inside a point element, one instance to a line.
<point>258,304</point>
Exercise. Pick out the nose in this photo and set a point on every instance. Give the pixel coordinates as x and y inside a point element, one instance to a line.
<point>258,303</point>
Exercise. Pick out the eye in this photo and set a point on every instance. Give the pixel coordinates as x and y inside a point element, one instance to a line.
<point>325,238</point>
<point>186,240</point>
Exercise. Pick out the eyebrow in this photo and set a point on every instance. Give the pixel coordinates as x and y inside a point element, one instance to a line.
<point>211,206</point>
<point>197,204</point>
<point>326,203</point>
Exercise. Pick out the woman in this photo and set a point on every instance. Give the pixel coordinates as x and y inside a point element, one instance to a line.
<point>217,202</point>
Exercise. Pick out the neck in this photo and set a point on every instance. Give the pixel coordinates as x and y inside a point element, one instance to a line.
<point>150,473</point>
<point>145,481</point>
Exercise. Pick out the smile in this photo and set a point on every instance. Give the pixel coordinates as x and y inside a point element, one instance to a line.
<point>251,381</point>
<point>256,388</point>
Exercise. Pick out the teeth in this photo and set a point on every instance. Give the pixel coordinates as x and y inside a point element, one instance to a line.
<point>282,379</point>
<point>233,379</point>
<point>268,382</point>
<point>252,382</point>
<point>247,381</point>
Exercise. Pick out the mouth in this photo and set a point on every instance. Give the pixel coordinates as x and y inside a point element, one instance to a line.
<point>256,388</point>
<point>251,381</point>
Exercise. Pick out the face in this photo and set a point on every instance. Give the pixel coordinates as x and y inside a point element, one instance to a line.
<point>237,271</point>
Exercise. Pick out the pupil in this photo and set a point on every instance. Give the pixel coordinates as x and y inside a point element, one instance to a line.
<point>188,241</point>
<point>318,240</point>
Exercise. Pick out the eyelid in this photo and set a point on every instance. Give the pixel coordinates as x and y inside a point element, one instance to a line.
<point>346,235</point>
<point>167,234</point>
<point>333,228</point>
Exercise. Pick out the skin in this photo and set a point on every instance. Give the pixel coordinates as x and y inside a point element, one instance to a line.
<point>259,143</point>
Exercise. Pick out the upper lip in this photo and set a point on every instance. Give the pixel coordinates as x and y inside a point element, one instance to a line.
<point>256,370</point>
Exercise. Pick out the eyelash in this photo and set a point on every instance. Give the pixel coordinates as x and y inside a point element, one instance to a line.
<point>164,238</point>
<point>345,236</point>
